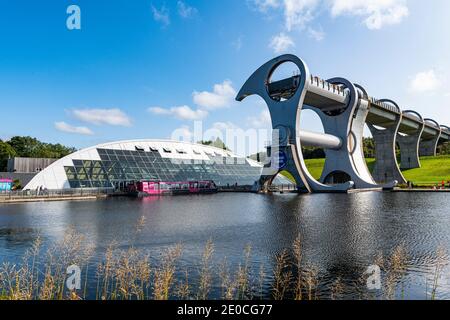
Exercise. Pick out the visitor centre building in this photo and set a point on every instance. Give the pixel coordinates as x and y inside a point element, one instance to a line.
<point>113,165</point>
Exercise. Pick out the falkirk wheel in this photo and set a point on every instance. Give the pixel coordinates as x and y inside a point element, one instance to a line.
<point>344,108</point>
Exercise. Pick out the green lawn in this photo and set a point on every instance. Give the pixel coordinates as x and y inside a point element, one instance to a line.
<point>433,170</point>
<point>315,166</point>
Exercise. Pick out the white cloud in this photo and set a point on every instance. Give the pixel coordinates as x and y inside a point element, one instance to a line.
<point>263,120</point>
<point>161,15</point>
<point>238,43</point>
<point>317,35</point>
<point>222,96</point>
<point>186,11</point>
<point>298,13</point>
<point>182,112</point>
<point>224,126</point>
<point>377,13</point>
<point>265,5</point>
<point>281,43</point>
<point>426,81</point>
<point>183,133</point>
<point>113,117</point>
<point>65,127</point>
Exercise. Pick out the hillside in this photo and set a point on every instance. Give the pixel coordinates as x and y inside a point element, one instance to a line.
<point>433,170</point>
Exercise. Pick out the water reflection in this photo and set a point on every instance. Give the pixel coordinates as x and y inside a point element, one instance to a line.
<point>341,234</point>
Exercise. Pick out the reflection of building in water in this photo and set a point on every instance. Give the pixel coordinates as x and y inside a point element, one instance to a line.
<point>113,164</point>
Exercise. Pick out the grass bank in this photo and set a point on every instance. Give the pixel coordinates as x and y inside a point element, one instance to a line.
<point>315,166</point>
<point>433,170</point>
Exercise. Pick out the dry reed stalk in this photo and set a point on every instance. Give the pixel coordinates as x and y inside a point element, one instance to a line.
<point>262,276</point>
<point>242,275</point>
<point>441,262</point>
<point>337,289</point>
<point>183,290</point>
<point>311,282</point>
<point>282,276</point>
<point>205,272</point>
<point>395,271</point>
<point>164,275</point>
<point>298,255</point>
<point>227,285</point>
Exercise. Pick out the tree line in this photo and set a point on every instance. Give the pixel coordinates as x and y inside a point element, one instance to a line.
<point>368,148</point>
<point>28,147</point>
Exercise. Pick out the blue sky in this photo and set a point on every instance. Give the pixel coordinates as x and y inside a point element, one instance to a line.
<point>143,68</point>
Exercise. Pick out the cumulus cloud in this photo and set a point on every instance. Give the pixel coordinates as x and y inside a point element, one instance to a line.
<point>113,117</point>
<point>183,133</point>
<point>161,15</point>
<point>222,96</point>
<point>65,127</point>
<point>263,120</point>
<point>224,126</point>
<point>317,35</point>
<point>298,13</point>
<point>265,5</point>
<point>281,43</point>
<point>181,113</point>
<point>186,11</point>
<point>376,13</point>
<point>426,81</point>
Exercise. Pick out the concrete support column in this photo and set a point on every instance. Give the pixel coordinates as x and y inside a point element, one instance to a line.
<point>409,145</point>
<point>428,146</point>
<point>409,151</point>
<point>386,166</point>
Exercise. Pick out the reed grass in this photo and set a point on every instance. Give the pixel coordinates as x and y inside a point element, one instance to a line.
<point>131,274</point>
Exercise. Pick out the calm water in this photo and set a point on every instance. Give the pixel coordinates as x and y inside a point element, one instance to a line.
<point>342,234</point>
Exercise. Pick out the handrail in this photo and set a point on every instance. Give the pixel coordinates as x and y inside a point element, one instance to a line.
<point>391,102</point>
<point>364,91</point>
<point>383,103</point>
<point>414,112</point>
<point>438,126</point>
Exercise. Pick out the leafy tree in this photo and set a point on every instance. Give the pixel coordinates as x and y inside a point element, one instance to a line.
<point>444,149</point>
<point>29,147</point>
<point>369,147</point>
<point>218,143</point>
<point>313,153</point>
<point>6,152</point>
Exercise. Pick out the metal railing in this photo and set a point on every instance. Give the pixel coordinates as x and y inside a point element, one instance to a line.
<point>283,188</point>
<point>318,82</point>
<point>383,105</point>
<point>44,194</point>
<point>234,188</point>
